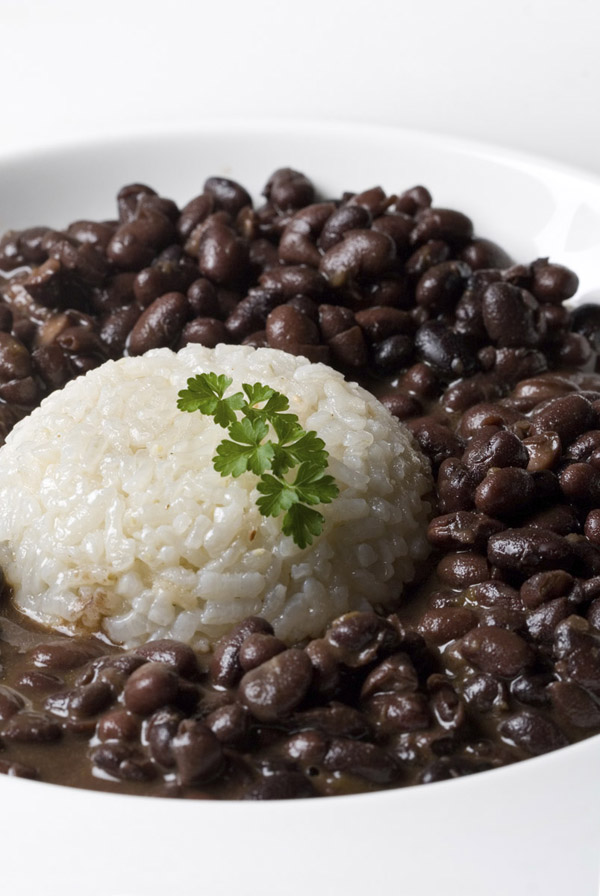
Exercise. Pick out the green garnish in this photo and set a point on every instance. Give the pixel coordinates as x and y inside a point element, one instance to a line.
<point>252,448</point>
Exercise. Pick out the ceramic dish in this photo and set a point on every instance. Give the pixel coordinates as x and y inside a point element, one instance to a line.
<point>531,827</point>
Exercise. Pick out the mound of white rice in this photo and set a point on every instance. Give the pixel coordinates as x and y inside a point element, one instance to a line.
<point>113,520</point>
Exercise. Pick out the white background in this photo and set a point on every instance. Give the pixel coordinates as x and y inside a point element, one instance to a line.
<point>520,73</point>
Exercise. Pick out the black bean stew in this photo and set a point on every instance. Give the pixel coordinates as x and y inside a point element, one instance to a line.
<point>493,657</point>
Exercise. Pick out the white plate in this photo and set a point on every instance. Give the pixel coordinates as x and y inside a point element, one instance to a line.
<point>530,828</point>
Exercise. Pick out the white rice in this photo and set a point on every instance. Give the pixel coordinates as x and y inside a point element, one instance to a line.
<point>113,520</point>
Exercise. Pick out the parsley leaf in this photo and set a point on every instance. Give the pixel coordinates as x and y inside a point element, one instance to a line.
<point>250,450</point>
<point>302,523</point>
<point>205,393</point>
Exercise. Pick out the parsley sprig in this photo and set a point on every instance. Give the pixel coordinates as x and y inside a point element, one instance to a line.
<point>269,442</point>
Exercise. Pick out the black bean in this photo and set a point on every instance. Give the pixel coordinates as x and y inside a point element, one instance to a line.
<point>484,692</point>
<point>114,330</point>
<point>552,282</point>
<point>504,493</point>
<point>122,761</point>
<point>118,725</point>
<point>496,651</point>
<point>431,253</point>
<point>306,747</point>
<point>361,253</point>
<point>393,713</point>
<point>160,325</point>
<point>447,351</point>
<point>223,256</point>
<point>395,674</point>
<point>278,686</point>
<point>481,254</point>
<point>510,316</point>
<point>456,486</point>
<point>334,319</point>
<point>160,730</point>
<point>533,733</point>
<point>440,287</point>
<point>287,327</point>
<point>462,529</point>
<point>257,648</point>
<point>413,200</point>
<point>347,217</point>
<point>545,586</point>
<point>402,406</point>
<point>568,416</point>
<point>442,224</point>
<point>580,483</point>
<point>334,720</point>
<point>358,638</point>
<point>10,702</point>
<point>381,322</point>
<point>205,331</point>
<point>170,652</point>
<point>398,227</point>
<point>230,723</point>
<point>197,752</point>
<point>227,194</point>
<point>348,349</point>
<point>574,705</point>
<point>542,622</point>
<point>436,441</point>
<point>365,760</point>
<point>63,655</point>
<point>529,550</point>
<point>136,242</point>
<point>31,727</point>
<point>288,281</point>
<point>225,667</point>
<point>326,669</point>
<point>446,624</point>
<point>288,190</point>
<point>149,687</point>
<point>459,570</point>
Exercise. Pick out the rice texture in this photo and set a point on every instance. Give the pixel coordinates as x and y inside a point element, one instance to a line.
<point>114,522</point>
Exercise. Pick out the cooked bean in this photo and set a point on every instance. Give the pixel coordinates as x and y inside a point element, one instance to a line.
<point>278,686</point>
<point>197,752</point>
<point>574,704</point>
<point>533,733</point>
<point>392,713</point>
<point>360,253</point>
<point>448,352</point>
<point>504,493</point>
<point>169,652</point>
<point>118,725</point>
<point>257,648</point>
<point>358,638</point>
<point>544,586</point>
<point>28,726</point>
<point>529,550</point>
<point>496,651</point>
<point>442,224</point>
<point>334,720</point>
<point>447,624</point>
<point>365,760</point>
<point>510,316</point>
<point>287,190</point>
<point>462,529</point>
<point>225,665</point>
<point>159,325</point>
<point>395,674</point>
<point>149,687</point>
<point>552,282</point>
<point>122,761</point>
<point>459,570</point>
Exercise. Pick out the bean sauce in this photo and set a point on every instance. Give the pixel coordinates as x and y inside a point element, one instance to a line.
<point>491,657</point>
